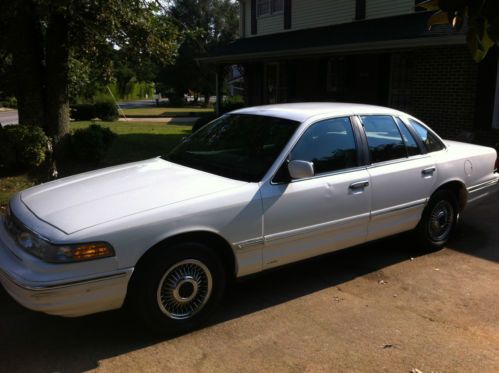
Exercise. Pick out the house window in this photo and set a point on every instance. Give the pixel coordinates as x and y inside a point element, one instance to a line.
<point>268,7</point>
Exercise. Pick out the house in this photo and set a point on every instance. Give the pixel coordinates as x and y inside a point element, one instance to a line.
<point>370,51</point>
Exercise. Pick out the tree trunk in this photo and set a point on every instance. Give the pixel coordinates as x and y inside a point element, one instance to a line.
<point>57,76</point>
<point>27,51</point>
<point>206,99</point>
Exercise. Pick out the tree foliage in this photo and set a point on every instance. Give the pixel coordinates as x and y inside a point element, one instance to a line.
<point>209,24</point>
<point>55,45</point>
<point>482,19</point>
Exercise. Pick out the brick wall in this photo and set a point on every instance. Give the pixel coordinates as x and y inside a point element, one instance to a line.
<point>444,88</point>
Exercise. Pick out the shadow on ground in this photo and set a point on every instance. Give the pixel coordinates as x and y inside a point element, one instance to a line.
<point>478,233</point>
<point>59,344</point>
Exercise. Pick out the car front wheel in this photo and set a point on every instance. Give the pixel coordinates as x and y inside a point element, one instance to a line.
<point>178,287</point>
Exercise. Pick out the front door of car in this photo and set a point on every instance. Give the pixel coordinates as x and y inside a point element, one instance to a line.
<point>329,211</point>
<point>402,177</point>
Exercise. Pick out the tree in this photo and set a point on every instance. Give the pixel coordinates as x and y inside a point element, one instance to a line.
<point>209,25</point>
<point>482,17</point>
<point>47,38</point>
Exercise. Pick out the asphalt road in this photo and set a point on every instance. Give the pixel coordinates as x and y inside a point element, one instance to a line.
<point>8,117</point>
<point>380,307</point>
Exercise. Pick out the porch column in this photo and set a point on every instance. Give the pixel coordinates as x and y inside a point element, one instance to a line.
<point>219,76</point>
<point>495,117</point>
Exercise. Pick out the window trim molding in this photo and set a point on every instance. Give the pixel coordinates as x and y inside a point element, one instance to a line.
<point>360,10</point>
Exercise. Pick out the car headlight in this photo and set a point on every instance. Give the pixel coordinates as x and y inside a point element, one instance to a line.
<point>43,249</point>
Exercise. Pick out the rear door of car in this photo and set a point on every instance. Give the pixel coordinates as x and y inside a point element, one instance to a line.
<point>402,175</point>
<point>330,211</point>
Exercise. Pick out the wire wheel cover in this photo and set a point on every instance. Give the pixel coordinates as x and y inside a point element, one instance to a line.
<point>441,221</point>
<point>184,289</point>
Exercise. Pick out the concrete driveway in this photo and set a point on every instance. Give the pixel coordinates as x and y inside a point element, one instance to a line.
<point>380,307</point>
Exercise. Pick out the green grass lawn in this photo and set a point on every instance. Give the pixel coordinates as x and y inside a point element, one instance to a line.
<point>135,141</point>
<point>148,112</point>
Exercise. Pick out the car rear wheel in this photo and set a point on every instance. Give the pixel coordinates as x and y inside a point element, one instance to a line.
<point>438,221</point>
<point>178,287</point>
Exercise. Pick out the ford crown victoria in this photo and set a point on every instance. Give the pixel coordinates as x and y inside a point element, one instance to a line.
<point>255,189</point>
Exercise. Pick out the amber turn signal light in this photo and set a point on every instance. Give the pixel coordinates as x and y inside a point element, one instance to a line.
<point>91,251</point>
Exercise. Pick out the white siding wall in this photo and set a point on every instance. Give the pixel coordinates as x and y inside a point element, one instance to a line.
<point>388,8</point>
<point>317,13</point>
<point>270,24</point>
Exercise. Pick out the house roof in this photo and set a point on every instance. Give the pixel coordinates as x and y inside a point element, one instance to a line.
<point>382,33</point>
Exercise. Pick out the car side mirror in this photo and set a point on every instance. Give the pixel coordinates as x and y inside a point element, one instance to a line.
<point>300,169</point>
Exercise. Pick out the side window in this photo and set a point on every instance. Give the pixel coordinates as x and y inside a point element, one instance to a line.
<point>410,142</point>
<point>383,138</point>
<point>431,142</point>
<point>329,144</point>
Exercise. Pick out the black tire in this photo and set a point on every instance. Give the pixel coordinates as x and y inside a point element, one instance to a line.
<point>189,266</point>
<point>438,222</point>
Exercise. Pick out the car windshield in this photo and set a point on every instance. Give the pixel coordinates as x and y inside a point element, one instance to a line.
<point>237,146</point>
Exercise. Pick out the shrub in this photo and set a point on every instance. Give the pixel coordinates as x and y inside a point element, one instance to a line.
<point>106,110</point>
<point>176,101</point>
<point>83,112</point>
<point>91,143</point>
<point>9,102</point>
<point>202,121</point>
<point>231,104</point>
<point>23,147</point>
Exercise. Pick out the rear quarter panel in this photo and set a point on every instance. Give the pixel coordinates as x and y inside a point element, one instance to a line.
<point>469,164</point>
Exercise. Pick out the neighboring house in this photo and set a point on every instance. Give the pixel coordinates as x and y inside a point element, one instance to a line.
<point>370,51</point>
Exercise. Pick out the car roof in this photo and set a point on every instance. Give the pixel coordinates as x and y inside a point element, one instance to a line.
<point>302,111</point>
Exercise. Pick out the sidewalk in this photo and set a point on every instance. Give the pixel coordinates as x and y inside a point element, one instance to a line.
<point>184,120</point>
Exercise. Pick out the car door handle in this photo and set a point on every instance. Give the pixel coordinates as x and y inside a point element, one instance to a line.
<point>359,185</point>
<point>429,171</point>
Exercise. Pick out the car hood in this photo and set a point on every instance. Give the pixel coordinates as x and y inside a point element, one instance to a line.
<point>81,201</point>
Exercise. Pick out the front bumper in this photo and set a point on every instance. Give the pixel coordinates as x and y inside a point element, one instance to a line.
<point>73,297</point>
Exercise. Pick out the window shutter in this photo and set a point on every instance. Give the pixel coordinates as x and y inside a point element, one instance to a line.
<point>253,17</point>
<point>360,9</point>
<point>287,14</point>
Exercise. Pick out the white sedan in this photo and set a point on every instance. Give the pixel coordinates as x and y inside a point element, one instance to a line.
<point>256,188</point>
